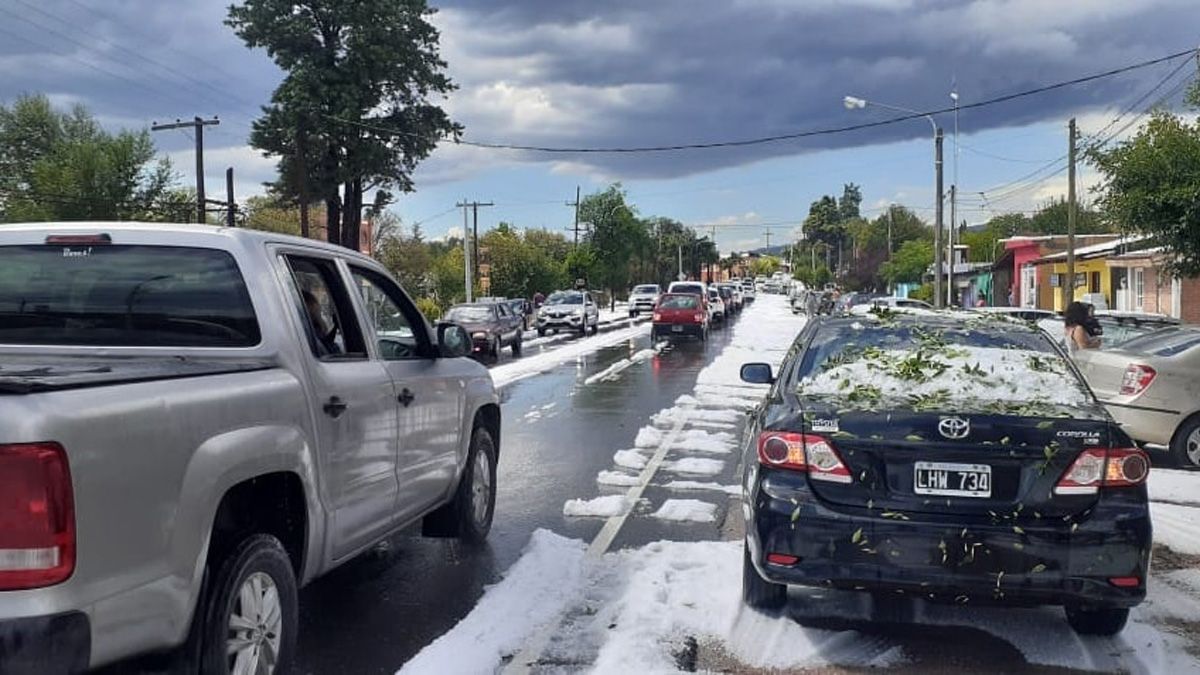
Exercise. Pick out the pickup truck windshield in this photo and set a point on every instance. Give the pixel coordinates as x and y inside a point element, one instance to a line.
<point>123,296</point>
<point>470,314</point>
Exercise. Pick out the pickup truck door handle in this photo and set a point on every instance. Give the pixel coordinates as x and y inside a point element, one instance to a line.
<point>406,397</point>
<point>334,407</point>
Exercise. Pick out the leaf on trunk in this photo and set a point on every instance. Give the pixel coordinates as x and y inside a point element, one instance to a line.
<point>857,536</point>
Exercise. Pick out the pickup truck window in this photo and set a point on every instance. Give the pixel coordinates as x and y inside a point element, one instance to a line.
<point>124,296</point>
<point>392,317</point>
<point>326,309</point>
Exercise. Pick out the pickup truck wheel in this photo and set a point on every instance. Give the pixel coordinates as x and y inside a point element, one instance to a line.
<point>541,332</point>
<point>249,624</point>
<point>516,346</point>
<point>475,503</point>
<point>496,347</point>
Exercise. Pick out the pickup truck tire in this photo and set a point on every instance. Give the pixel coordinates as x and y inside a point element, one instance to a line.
<point>541,332</point>
<point>516,345</point>
<point>475,501</point>
<point>254,589</point>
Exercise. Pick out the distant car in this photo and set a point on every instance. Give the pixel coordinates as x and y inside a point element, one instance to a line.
<point>870,468</point>
<point>748,291</point>
<point>726,294</point>
<point>679,315</point>
<point>1151,386</point>
<point>569,310</point>
<point>491,325</point>
<point>735,295</point>
<point>891,303</point>
<point>643,298</point>
<point>716,306</point>
<point>853,299</point>
<point>1024,313</point>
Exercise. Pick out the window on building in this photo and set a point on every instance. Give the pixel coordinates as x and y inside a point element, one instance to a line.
<point>1094,282</point>
<point>1028,286</point>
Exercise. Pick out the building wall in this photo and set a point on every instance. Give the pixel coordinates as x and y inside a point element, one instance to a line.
<point>1088,267</point>
<point>1158,293</point>
<point>1021,255</point>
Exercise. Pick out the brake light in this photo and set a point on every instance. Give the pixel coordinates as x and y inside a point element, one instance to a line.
<point>37,516</point>
<point>78,239</point>
<point>658,316</point>
<point>1137,379</point>
<point>1096,468</point>
<point>803,452</point>
<point>699,318</point>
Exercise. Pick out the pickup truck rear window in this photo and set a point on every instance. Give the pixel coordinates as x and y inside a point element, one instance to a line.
<point>124,296</point>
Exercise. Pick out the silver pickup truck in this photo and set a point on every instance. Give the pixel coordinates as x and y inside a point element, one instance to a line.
<point>195,421</point>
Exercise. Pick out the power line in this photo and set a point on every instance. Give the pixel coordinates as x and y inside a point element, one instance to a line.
<point>778,137</point>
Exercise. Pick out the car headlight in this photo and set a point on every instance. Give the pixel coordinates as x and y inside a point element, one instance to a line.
<point>578,312</point>
<point>478,335</point>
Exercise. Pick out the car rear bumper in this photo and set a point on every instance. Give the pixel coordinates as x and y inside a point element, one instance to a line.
<point>59,643</point>
<point>1143,424</point>
<point>1029,564</point>
<point>683,329</point>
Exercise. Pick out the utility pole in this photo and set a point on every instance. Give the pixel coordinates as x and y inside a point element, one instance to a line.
<point>230,205</point>
<point>891,212</point>
<point>197,125</point>
<point>767,232</point>
<point>576,205</point>
<point>938,298</point>
<point>1068,287</point>
<point>467,280</point>
<point>950,247</point>
<point>471,240</point>
<point>475,232</point>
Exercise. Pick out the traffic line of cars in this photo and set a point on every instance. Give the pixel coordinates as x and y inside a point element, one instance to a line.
<point>691,308</point>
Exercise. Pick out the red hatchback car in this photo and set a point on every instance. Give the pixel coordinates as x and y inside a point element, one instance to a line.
<point>680,314</point>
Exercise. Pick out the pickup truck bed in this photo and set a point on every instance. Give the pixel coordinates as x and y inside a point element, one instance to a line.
<point>30,374</point>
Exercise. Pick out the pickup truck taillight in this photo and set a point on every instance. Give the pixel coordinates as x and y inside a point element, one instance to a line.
<point>1136,379</point>
<point>37,516</point>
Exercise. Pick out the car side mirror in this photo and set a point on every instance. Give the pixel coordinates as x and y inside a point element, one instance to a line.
<point>757,373</point>
<point>453,340</point>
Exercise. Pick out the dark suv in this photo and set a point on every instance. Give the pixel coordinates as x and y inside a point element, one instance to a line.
<point>491,325</point>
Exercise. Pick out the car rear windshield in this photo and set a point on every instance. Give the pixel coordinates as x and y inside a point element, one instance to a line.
<point>937,364</point>
<point>679,302</point>
<point>645,289</point>
<point>1165,342</point>
<point>469,314</point>
<point>688,288</point>
<point>124,296</point>
<point>565,298</point>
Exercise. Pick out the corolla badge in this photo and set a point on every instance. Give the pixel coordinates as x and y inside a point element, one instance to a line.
<point>954,428</point>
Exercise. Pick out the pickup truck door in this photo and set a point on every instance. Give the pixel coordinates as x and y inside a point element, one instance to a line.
<point>508,322</point>
<point>431,393</point>
<point>354,406</point>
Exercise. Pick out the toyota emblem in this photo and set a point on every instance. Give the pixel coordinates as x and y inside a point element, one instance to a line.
<point>954,428</point>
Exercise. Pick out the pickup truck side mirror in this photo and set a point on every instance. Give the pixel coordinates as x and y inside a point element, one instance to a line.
<point>453,340</point>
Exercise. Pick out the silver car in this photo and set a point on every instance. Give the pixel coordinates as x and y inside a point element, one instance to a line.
<point>569,310</point>
<point>1151,386</point>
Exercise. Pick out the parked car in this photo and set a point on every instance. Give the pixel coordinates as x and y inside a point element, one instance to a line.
<point>716,306</point>
<point>1024,313</point>
<point>198,420</point>
<point>748,291</point>
<point>891,303</point>
<point>854,299</point>
<point>491,325</point>
<point>680,314</point>
<point>726,294</point>
<point>1151,386</point>
<point>735,295</point>
<point>569,310</point>
<point>924,482</point>
<point>643,298</point>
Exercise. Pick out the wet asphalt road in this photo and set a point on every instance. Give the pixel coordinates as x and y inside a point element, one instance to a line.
<point>374,613</point>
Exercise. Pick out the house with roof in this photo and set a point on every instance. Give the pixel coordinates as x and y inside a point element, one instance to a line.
<point>1141,284</point>
<point>1094,279</point>
<point>1018,282</point>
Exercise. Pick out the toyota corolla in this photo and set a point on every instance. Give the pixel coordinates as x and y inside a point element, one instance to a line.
<point>951,459</point>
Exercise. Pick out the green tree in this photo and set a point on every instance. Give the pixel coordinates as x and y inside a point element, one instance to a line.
<point>447,275</point>
<point>412,261</point>
<point>355,109</point>
<point>909,264</point>
<point>62,166</point>
<point>617,238</point>
<point>764,266</point>
<point>1151,185</point>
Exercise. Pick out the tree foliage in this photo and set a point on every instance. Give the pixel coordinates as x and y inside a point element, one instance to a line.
<point>57,165</point>
<point>371,61</point>
<point>909,264</point>
<point>1151,185</point>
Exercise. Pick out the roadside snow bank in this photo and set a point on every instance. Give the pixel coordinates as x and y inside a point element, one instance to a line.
<point>528,366</point>
<point>600,507</point>
<point>687,510</point>
<point>1176,527</point>
<point>1169,485</point>
<point>536,590</point>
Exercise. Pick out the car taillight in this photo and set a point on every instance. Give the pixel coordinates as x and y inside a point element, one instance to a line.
<point>803,452</point>
<point>1097,468</point>
<point>1136,379</point>
<point>698,318</point>
<point>658,316</point>
<point>37,516</point>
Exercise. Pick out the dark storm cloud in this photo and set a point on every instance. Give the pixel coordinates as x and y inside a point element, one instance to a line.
<point>631,72</point>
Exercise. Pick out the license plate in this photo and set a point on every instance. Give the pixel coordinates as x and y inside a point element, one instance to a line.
<point>945,479</point>
<point>676,329</point>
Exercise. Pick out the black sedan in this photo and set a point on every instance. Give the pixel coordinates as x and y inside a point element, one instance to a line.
<point>946,458</point>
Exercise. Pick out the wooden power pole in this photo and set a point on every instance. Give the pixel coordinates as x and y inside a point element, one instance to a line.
<point>197,124</point>
<point>1068,285</point>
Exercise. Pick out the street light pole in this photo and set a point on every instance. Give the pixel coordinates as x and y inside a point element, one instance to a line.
<point>855,103</point>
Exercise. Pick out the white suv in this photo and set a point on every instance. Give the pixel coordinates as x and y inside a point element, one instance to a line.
<point>643,298</point>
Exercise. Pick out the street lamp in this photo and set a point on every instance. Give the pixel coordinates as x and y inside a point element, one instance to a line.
<point>856,103</point>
